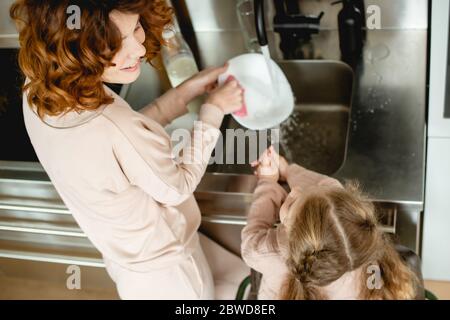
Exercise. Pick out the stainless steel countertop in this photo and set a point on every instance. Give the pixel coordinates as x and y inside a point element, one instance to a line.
<point>385,153</point>
<point>386,150</point>
<point>386,146</point>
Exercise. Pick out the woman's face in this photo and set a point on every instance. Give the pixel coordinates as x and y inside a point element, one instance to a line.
<point>127,60</point>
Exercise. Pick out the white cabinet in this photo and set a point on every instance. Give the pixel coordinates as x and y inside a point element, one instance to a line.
<point>436,231</point>
<point>438,126</point>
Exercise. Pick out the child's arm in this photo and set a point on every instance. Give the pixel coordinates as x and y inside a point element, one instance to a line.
<point>259,238</point>
<point>300,178</point>
<point>297,177</point>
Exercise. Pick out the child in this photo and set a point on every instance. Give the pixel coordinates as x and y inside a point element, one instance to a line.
<point>328,245</point>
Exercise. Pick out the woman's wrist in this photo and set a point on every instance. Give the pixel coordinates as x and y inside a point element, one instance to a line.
<point>186,92</point>
<point>211,114</point>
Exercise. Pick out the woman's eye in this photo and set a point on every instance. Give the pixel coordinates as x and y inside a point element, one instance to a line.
<point>138,27</point>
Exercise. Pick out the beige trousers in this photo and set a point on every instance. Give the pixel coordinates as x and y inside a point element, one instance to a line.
<point>192,279</point>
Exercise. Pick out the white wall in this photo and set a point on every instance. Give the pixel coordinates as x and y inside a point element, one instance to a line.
<point>436,231</point>
<point>436,238</point>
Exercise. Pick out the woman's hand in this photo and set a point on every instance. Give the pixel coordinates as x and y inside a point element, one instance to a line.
<point>229,97</point>
<point>201,83</point>
<point>271,165</point>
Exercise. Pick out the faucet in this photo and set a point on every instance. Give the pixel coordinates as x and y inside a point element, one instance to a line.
<point>260,22</point>
<point>294,28</point>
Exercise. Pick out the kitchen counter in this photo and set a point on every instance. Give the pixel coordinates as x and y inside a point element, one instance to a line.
<point>386,150</point>
<point>386,143</point>
<point>385,153</point>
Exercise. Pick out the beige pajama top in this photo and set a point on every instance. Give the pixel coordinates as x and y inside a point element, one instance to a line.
<point>115,171</point>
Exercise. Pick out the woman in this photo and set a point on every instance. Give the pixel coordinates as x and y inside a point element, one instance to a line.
<point>329,244</point>
<point>113,167</point>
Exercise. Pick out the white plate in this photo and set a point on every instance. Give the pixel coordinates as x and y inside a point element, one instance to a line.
<point>267,104</point>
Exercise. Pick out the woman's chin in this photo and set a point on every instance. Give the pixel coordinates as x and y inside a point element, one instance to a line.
<point>129,77</point>
<point>123,77</point>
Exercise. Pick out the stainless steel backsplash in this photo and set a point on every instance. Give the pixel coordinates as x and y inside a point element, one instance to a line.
<point>217,29</point>
<point>6,25</point>
<point>220,15</point>
<point>8,32</point>
<point>219,38</point>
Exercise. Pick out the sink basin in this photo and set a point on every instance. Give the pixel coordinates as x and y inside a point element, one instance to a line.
<point>315,135</point>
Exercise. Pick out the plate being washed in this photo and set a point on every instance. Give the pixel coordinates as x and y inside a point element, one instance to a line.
<point>268,102</point>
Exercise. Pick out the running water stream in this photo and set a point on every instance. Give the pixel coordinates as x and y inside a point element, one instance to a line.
<point>266,53</point>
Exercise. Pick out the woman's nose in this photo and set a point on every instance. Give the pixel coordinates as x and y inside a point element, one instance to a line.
<point>138,50</point>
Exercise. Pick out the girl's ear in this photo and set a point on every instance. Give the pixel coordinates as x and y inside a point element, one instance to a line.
<point>289,208</point>
<point>298,198</point>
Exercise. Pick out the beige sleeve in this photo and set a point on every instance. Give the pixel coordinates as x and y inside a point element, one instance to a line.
<point>144,152</point>
<point>166,108</point>
<point>260,239</point>
<point>300,178</point>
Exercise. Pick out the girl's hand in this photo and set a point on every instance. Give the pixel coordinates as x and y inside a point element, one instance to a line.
<point>271,165</point>
<point>267,166</point>
<point>282,166</point>
<point>229,97</point>
<point>201,83</point>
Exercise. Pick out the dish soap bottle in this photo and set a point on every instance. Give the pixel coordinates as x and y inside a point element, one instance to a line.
<point>179,63</point>
<point>351,33</point>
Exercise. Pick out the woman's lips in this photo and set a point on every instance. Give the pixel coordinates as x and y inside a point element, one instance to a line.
<point>132,68</point>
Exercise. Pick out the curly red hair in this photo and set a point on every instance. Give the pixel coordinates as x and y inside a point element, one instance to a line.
<point>65,66</point>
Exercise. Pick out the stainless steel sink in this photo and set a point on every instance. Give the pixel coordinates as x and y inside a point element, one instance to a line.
<point>315,136</point>
<point>316,133</point>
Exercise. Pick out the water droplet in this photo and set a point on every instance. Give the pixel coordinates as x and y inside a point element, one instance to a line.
<point>377,53</point>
